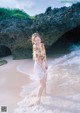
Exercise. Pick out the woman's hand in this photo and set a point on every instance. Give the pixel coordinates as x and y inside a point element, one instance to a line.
<point>45,63</point>
<point>46,66</point>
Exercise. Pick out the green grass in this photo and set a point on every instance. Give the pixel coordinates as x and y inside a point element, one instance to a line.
<point>4,13</point>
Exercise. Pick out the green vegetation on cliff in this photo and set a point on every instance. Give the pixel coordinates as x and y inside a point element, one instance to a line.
<point>4,13</point>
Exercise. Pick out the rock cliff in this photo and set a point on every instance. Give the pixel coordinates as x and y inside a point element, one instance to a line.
<point>15,33</point>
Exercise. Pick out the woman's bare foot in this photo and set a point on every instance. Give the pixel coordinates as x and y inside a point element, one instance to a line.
<point>33,95</point>
<point>36,103</point>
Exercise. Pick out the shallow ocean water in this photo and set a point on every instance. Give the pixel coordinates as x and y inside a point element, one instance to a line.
<point>63,88</point>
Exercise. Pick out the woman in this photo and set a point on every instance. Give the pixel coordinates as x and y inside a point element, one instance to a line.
<point>40,65</point>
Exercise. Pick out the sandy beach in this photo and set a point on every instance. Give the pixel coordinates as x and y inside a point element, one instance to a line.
<point>63,85</point>
<point>11,82</point>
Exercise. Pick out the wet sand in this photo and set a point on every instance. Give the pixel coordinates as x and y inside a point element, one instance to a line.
<point>11,82</point>
<point>63,89</point>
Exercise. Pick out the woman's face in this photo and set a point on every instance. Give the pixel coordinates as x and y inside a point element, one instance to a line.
<point>37,40</point>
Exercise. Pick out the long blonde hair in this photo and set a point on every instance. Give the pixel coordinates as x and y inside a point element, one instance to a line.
<point>34,35</point>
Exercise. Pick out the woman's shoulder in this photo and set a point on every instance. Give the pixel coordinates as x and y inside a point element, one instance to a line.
<point>34,45</point>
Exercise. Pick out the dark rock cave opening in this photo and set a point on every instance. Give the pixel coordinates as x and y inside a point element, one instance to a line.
<point>4,51</point>
<point>61,46</point>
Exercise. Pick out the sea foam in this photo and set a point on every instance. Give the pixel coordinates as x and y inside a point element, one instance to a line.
<point>63,87</point>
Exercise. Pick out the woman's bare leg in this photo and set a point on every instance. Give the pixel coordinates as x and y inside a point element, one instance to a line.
<point>41,88</point>
<point>44,92</point>
<point>40,91</point>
